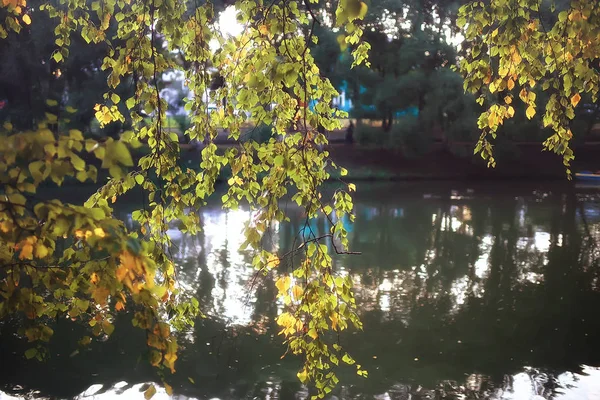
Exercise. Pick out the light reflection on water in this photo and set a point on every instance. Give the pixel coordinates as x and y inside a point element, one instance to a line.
<point>460,290</point>
<point>528,385</point>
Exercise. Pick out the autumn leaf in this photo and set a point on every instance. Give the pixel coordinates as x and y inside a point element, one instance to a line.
<point>119,306</point>
<point>302,375</point>
<point>510,111</point>
<point>150,392</point>
<point>530,112</point>
<point>99,232</point>
<point>575,99</point>
<point>169,361</point>
<point>26,247</point>
<point>273,261</point>
<point>26,19</point>
<point>523,94</point>
<point>297,291</point>
<point>283,284</point>
<point>168,389</point>
<point>41,251</point>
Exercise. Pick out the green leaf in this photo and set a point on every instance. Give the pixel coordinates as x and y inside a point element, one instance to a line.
<point>30,353</point>
<point>107,327</point>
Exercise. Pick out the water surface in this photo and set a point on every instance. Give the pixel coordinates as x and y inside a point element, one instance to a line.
<point>482,291</point>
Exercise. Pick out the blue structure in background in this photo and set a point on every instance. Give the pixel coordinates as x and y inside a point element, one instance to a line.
<point>345,104</point>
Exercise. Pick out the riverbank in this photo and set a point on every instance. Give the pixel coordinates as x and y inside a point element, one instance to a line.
<point>525,162</point>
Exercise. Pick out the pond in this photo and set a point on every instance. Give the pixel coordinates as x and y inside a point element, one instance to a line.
<point>482,291</point>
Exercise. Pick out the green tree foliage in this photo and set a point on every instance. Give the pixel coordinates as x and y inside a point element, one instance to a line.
<point>523,47</point>
<point>29,76</point>
<point>65,260</point>
<point>410,70</point>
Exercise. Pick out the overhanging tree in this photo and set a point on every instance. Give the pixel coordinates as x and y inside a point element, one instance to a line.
<point>519,45</point>
<point>66,260</point>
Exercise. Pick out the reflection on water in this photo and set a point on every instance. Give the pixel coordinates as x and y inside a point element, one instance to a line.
<point>465,293</point>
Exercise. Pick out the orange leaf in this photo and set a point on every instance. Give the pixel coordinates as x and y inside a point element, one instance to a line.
<point>575,99</point>
<point>168,389</point>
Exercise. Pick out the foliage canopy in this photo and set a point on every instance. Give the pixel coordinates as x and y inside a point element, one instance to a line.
<point>522,47</point>
<point>65,260</point>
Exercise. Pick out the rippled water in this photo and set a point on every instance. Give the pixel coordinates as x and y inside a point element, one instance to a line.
<point>466,291</point>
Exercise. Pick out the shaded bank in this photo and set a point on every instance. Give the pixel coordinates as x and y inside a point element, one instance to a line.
<point>521,162</point>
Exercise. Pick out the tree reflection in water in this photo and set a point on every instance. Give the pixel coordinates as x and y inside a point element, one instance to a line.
<point>464,294</point>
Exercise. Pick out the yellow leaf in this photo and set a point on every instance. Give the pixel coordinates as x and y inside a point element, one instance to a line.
<point>510,84</point>
<point>302,375</point>
<point>351,187</point>
<point>283,284</point>
<point>297,291</point>
<point>530,112</point>
<point>41,251</point>
<point>492,120</point>
<point>495,32</point>
<point>313,333</point>
<point>508,99</point>
<point>273,261</point>
<point>151,391</point>
<point>263,29</point>
<point>27,19</point>
<point>516,58</point>
<point>168,389</point>
<point>106,118</point>
<point>510,111</point>
<point>575,99</point>
<point>99,232</point>
<point>523,95</point>
<point>170,361</point>
<point>363,10</point>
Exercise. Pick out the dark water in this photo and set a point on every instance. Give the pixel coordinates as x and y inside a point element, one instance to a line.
<point>466,291</point>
